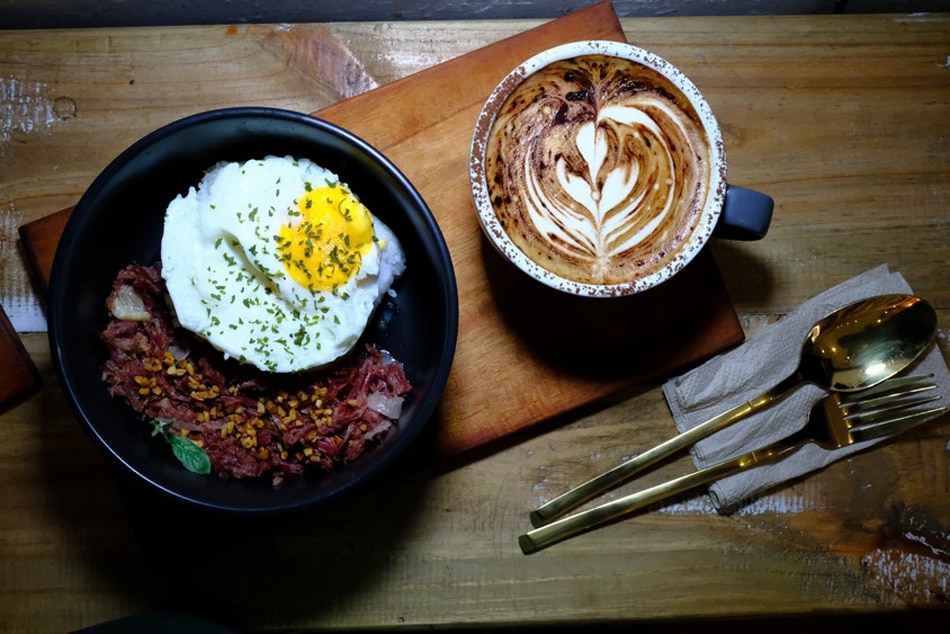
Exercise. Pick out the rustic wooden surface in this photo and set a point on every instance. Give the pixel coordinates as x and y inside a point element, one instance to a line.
<point>46,14</point>
<point>842,119</point>
<point>18,374</point>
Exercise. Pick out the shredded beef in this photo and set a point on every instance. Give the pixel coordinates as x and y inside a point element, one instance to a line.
<point>251,424</point>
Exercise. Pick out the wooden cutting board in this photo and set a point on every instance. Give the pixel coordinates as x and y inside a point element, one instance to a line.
<point>526,354</point>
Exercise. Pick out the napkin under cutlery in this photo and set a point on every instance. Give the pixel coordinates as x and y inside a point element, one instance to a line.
<point>763,360</point>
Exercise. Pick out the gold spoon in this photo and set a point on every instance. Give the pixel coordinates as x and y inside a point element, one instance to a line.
<point>851,349</point>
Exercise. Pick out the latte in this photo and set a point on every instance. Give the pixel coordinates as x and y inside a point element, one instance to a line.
<point>598,169</point>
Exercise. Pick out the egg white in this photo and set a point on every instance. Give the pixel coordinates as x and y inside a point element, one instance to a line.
<point>228,284</point>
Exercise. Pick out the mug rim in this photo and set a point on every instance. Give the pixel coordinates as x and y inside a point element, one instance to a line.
<point>496,233</point>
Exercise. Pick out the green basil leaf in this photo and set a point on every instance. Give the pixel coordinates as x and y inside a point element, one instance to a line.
<point>193,457</point>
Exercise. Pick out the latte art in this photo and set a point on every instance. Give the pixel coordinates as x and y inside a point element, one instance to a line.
<point>598,169</point>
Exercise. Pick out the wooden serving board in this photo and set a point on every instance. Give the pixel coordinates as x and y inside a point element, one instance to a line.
<point>525,353</point>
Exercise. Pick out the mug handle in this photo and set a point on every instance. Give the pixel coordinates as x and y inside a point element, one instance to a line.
<point>746,214</point>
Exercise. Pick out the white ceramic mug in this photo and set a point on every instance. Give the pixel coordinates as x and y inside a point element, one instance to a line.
<point>725,211</point>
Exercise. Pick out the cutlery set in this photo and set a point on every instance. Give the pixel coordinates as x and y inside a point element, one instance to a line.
<point>856,354</point>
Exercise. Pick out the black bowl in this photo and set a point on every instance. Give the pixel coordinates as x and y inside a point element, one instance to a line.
<point>119,221</point>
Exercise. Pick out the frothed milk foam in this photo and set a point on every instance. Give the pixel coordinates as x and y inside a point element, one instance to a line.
<point>598,169</point>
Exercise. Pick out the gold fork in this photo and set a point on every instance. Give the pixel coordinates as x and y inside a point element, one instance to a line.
<point>836,421</point>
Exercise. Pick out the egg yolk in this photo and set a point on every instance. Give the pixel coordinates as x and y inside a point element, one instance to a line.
<point>325,248</point>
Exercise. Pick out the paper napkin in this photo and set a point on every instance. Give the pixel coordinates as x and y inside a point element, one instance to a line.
<point>757,365</point>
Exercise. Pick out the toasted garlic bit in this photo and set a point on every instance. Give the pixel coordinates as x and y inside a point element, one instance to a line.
<point>284,411</point>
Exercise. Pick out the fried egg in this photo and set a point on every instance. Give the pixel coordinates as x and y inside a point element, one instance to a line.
<point>276,263</point>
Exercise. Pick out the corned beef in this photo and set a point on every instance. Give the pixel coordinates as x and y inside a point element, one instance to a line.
<point>250,424</point>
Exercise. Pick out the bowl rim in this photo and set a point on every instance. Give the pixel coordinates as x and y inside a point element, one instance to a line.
<point>56,293</point>
<point>496,233</point>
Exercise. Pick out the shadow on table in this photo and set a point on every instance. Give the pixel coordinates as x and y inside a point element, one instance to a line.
<point>155,552</point>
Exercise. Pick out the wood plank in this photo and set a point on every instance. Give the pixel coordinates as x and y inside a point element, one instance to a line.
<point>18,374</point>
<point>48,14</point>
<point>112,13</point>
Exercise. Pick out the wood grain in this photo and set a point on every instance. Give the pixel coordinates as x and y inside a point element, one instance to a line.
<point>51,14</point>
<point>18,375</point>
<point>514,367</point>
<point>841,118</point>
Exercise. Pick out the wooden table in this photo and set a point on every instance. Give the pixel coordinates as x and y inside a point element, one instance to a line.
<point>844,120</point>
